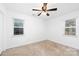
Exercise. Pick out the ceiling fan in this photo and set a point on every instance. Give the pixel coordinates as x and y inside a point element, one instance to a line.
<point>44,9</point>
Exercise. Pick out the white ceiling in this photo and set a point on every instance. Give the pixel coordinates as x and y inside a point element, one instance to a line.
<point>26,8</point>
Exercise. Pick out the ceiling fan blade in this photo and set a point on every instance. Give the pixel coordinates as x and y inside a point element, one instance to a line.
<point>36,10</point>
<point>53,9</point>
<point>47,14</point>
<point>39,14</point>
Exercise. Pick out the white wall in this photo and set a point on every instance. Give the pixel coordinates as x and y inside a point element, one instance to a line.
<point>1,21</point>
<point>2,17</point>
<point>33,30</point>
<point>56,29</point>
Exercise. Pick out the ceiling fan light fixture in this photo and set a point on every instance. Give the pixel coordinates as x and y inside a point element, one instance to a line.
<point>44,13</point>
<point>44,10</point>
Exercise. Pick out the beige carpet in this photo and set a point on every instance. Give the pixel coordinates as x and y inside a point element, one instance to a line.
<point>43,48</point>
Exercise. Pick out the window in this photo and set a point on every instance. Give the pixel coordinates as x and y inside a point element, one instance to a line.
<point>18,27</point>
<point>70,27</point>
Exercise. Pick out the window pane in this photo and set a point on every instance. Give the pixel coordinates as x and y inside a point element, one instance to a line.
<point>18,23</point>
<point>71,22</point>
<point>73,31</point>
<point>70,31</point>
<point>66,31</point>
<point>18,31</point>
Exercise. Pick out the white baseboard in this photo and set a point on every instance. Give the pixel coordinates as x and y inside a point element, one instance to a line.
<point>65,44</point>
<point>29,42</point>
